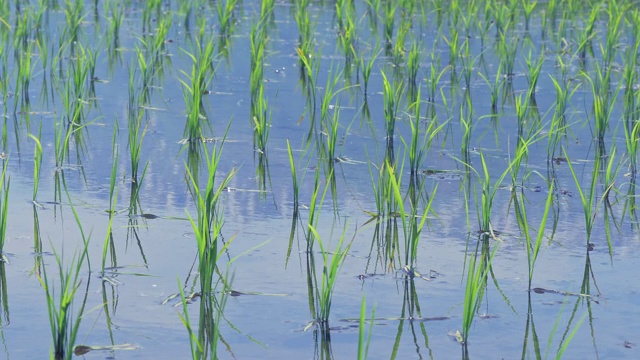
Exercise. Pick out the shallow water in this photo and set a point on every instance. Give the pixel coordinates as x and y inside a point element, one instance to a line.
<point>156,253</point>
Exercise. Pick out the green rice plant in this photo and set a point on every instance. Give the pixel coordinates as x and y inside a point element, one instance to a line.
<point>615,16</point>
<point>392,96</point>
<point>363,343</point>
<point>533,73</point>
<point>225,16</point>
<point>434,76</point>
<point>367,66</point>
<point>412,221</point>
<point>631,138</point>
<point>206,227</point>
<point>603,101</point>
<point>195,86</point>
<point>136,134</point>
<point>389,16</point>
<point>527,8</point>
<point>478,269</point>
<point>330,270</point>
<point>74,15</point>
<point>413,65</point>
<point>454,47</point>
<point>113,197</point>
<point>589,201</point>
<point>37,162</point>
<point>507,49</point>
<point>64,325</point>
<point>532,246</point>
<point>315,205</point>
<point>487,196</point>
<point>261,122</point>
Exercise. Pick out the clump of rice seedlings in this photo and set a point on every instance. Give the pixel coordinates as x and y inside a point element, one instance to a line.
<point>330,270</point>
<point>136,132</point>
<point>507,49</point>
<point>589,201</point>
<point>532,245</point>
<point>23,79</point>
<point>207,227</point>
<point>527,9</point>
<point>195,86</point>
<point>413,65</point>
<point>412,221</point>
<point>225,17</point>
<point>478,269</point>
<point>389,16</point>
<point>74,15</point>
<point>261,117</point>
<point>454,47</point>
<point>533,73</point>
<point>603,101</point>
<point>392,96</point>
<point>615,17</point>
<point>367,66</point>
<point>63,322</point>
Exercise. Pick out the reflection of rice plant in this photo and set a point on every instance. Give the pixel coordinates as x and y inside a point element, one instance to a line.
<point>363,343</point>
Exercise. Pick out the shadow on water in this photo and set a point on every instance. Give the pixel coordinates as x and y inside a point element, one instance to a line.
<point>409,313</point>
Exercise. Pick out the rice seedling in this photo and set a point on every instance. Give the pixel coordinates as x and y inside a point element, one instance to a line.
<point>207,226</point>
<point>389,16</point>
<point>527,9</point>
<point>113,197</point>
<point>367,66</point>
<point>477,274</point>
<point>37,162</point>
<point>412,222</point>
<point>603,101</point>
<point>195,86</point>
<point>533,73</point>
<point>392,95</point>
<point>64,324</point>
<point>413,65</point>
<point>136,132</point>
<point>261,122</point>
<point>225,16</point>
<point>315,205</point>
<point>588,200</point>
<point>330,270</point>
<point>74,14</point>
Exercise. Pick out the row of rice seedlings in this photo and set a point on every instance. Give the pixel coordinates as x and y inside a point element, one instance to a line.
<point>207,228</point>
